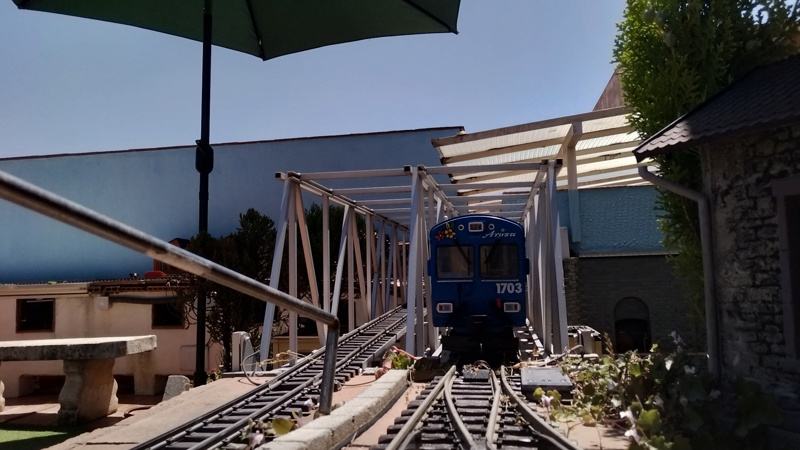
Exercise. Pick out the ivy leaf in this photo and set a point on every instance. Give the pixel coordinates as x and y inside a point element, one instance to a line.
<point>692,420</point>
<point>693,389</point>
<point>680,442</point>
<point>282,425</point>
<point>635,369</point>
<point>537,394</point>
<point>650,421</point>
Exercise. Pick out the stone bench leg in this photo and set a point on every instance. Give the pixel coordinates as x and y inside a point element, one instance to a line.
<point>89,392</point>
<point>2,399</point>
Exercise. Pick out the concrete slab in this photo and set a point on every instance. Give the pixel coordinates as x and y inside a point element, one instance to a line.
<point>89,390</point>
<point>75,348</point>
<point>163,417</point>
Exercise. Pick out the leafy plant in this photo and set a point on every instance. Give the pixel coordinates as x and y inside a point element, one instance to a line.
<point>248,251</point>
<point>214,375</point>
<point>664,401</point>
<point>400,360</point>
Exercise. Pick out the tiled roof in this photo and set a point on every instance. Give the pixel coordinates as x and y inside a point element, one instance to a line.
<point>768,97</point>
<point>163,283</point>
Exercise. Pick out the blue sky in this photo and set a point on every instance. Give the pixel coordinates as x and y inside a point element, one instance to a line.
<point>70,85</point>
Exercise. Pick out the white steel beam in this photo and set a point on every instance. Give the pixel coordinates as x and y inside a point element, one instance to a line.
<point>370,244</point>
<point>292,229</point>
<point>337,285</point>
<point>326,252</point>
<point>414,332</point>
<point>305,240</point>
<point>275,273</point>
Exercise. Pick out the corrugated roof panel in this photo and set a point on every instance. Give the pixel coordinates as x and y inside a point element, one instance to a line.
<point>621,138</point>
<point>619,121</point>
<point>524,155</point>
<point>523,138</point>
<point>602,156</point>
<point>516,178</point>
<point>607,165</point>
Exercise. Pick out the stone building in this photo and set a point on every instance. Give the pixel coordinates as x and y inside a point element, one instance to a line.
<point>748,136</point>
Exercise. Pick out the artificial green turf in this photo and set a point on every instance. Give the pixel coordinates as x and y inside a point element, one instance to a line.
<point>34,438</point>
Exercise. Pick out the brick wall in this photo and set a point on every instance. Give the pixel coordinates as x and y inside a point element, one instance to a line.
<point>738,178</point>
<point>603,282</point>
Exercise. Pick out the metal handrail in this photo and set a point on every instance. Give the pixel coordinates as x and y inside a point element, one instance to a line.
<point>30,196</point>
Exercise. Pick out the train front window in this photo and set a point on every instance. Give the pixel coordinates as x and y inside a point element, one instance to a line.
<point>454,261</point>
<point>499,261</point>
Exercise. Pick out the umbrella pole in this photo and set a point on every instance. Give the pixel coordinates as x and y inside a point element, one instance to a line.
<point>204,163</point>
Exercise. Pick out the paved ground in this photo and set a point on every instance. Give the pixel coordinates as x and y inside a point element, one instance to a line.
<point>140,418</point>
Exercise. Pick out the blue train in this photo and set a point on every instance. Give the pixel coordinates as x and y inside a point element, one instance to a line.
<point>478,272</point>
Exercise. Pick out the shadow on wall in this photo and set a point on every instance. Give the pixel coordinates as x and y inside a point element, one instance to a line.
<point>632,325</point>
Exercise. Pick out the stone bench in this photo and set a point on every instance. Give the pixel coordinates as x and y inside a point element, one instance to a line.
<point>89,391</point>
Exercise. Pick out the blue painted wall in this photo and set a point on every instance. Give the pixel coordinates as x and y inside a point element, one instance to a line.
<point>616,220</point>
<point>156,191</point>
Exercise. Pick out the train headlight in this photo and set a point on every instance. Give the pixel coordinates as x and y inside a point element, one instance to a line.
<point>512,307</point>
<point>444,308</point>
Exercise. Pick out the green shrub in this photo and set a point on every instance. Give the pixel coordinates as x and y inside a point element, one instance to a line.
<point>666,401</point>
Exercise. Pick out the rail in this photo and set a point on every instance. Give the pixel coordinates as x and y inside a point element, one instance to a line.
<point>547,432</point>
<point>406,433</point>
<point>30,196</point>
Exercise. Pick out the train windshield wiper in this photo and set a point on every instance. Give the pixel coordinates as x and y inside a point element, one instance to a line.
<point>461,250</point>
<point>491,251</point>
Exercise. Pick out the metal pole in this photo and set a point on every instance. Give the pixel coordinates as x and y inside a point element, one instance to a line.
<point>204,163</point>
<point>704,215</point>
<point>326,388</point>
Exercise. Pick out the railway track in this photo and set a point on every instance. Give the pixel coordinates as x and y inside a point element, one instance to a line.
<point>287,394</point>
<point>479,409</point>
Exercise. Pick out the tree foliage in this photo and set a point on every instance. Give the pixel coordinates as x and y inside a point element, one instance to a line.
<point>248,251</point>
<point>673,55</point>
<point>313,216</point>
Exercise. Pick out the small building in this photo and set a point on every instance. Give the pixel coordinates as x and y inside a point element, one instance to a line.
<point>124,307</point>
<point>748,136</point>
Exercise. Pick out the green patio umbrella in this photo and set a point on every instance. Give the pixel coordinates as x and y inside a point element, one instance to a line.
<point>263,28</point>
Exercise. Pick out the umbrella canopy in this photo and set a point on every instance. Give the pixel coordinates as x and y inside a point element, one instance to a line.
<point>268,28</point>
<point>263,28</point>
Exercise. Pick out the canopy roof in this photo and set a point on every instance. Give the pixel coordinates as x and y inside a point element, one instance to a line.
<point>595,148</point>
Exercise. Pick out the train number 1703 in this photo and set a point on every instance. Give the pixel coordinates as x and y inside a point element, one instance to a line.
<point>509,288</point>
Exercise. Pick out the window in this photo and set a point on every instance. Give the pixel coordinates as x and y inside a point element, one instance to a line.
<point>168,315</point>
<point>499,261</point>
<point>788,201</point>
<point>454,261</point>
<point>35,314</point>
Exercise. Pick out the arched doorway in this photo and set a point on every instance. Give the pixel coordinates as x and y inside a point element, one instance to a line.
<point>632,325</point>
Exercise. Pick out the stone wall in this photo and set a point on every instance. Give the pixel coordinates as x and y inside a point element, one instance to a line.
<point>571,277</point>
<point>603,282</point>
<point>738,178</point>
